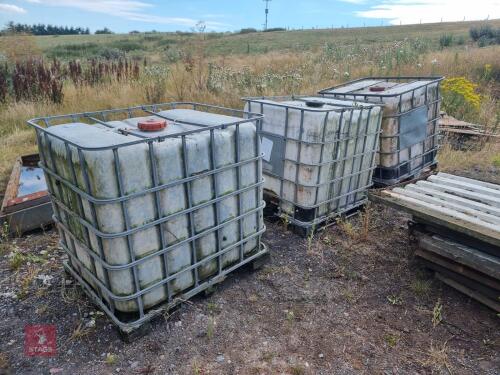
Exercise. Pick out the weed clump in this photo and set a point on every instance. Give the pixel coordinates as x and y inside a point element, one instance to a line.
<point>34,80</point>
<point>460,98</point>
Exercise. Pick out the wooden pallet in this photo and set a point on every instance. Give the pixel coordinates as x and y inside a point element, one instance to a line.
<point>272,213</point>
<point>465,268</point>
<point>133,333</point>
<point>456,228</point>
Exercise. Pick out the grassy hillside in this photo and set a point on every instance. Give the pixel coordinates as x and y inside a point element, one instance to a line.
<point>155,44</point>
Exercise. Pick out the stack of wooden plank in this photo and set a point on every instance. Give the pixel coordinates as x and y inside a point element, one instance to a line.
<point>456,225</point>
<point>461,134</point>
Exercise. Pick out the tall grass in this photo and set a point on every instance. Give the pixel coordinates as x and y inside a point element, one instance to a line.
<point>224,79</point>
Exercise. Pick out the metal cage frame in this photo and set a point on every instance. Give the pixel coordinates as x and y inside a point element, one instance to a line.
<point>103,296</point>
<point>403,169</point>
<point>307,217</point>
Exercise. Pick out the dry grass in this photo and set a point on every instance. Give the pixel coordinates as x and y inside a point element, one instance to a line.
<point>79,332</point>
<point>437,358</point>
<point>451,160</point>
<point>4,361</point>
<point>273,73</point>
<point>26,280</point>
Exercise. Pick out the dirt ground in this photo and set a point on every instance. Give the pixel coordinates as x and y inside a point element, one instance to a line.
<point>351,300</point>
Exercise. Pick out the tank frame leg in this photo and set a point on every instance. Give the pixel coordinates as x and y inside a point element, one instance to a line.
<point>131,335</point>
<point>260,262</point>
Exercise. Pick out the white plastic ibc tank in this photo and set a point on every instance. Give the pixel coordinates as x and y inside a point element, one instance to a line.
<point>336,143</point>
<point>408,141</point>
<point>171,157</point>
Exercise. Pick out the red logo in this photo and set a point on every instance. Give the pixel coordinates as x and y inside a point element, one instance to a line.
<point>40,340</point>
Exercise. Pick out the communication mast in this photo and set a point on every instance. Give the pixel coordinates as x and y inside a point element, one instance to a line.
<point>267,12</point>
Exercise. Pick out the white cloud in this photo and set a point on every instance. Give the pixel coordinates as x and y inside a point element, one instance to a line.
<point>128,9</point>
<point>10,8</point>
<point>414,11</point>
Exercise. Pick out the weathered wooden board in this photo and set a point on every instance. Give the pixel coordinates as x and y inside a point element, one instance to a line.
<point>469,292</point>
<point>12,185</point>
<point>459,204</point>
<point>472,258</point>
<point>433,260</point>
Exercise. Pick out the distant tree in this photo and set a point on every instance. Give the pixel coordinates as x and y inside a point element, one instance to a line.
<point>247,30</point>
<point>273,29</point>
<point>11,27</point>
<point>41,29</point>
<point>104,31</point>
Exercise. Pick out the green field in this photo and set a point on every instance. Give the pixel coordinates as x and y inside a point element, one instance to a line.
<point>81,46</point>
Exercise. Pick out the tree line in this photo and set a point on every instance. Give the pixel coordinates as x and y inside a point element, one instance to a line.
<point>41,29</point>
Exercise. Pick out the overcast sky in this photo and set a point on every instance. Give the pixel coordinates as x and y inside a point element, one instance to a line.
<point>222,15</point>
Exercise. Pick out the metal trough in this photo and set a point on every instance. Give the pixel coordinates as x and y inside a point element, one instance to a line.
<point>26,205</point>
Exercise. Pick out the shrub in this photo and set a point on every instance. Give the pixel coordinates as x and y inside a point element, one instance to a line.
<point>496,160</point>
<point>460,40</point>
<point>152,37</point>
<point>165,42</point>
<point>460,98</point>
<point>173,55</point>
<point>489,72</point>
<point>73,51</point>
<point>184,33</point>
<point>112,53</point>
<point>4,84</point>
<point>484,41</point>
<point>477,32</point>
<point>247,30</point>
<point>126,45</point>
<point>272,29</point>
<point>214,35</point>
<point>485,35</point>
<point>104,31</point>
<point>445,40</point>
<point>155,79</point>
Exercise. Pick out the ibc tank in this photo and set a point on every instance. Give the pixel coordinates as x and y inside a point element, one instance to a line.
<point>150,216</point>
<point>409,139</point>
<point>319,155</point>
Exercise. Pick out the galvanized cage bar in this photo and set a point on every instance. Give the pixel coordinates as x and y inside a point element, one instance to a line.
<point>346,148</point>
<point>76,202</point>
<point>213,163</point>
<point>392,167</point>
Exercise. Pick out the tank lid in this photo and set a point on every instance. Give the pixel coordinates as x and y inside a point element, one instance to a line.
<point>377,88</point>
<point>315,103</point>
<point>152,125</point>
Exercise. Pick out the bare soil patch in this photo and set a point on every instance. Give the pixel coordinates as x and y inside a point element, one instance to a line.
<point>342,302</point>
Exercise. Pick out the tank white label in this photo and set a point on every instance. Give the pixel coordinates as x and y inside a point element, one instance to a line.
<point>267,148</point>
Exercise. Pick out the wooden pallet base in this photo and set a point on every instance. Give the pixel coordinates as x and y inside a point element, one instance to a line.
<point>131,334</point>
<point>465,268</point>
<point>271,213</point>
<point>422,173</point>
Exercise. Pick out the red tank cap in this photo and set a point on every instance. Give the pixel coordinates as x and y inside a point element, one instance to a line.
<point>152,125</point>
<point>377,88</point>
